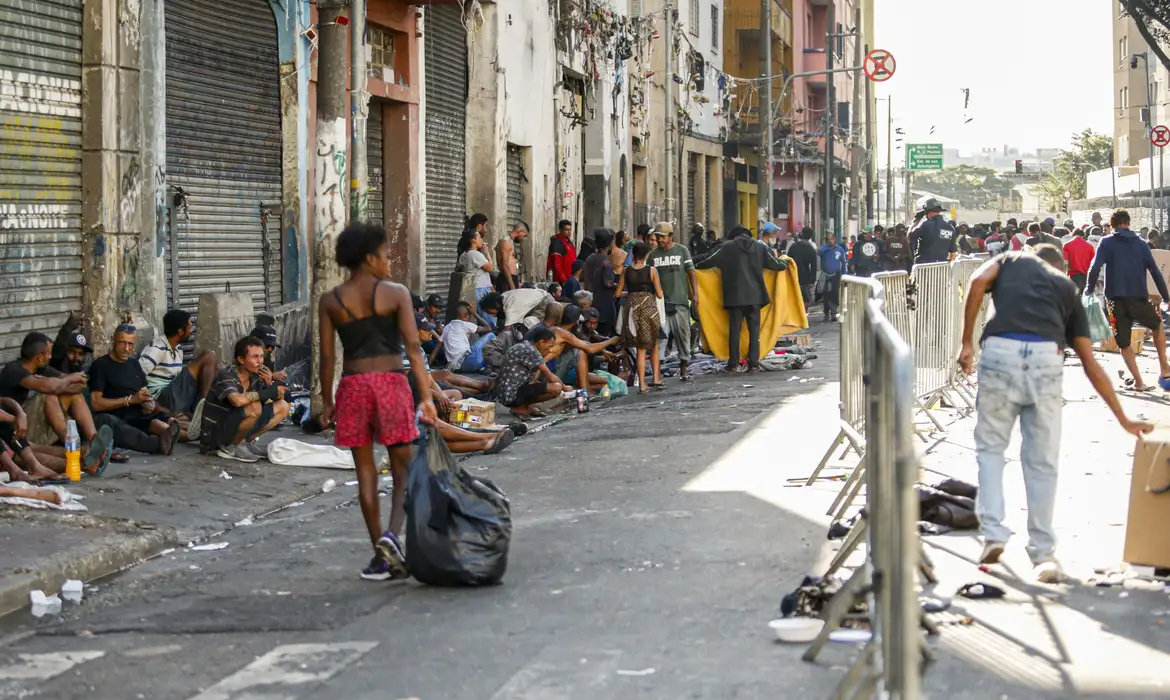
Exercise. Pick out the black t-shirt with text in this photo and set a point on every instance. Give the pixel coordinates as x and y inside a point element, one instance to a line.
<point>1033,298</point>
<point>934,240</point>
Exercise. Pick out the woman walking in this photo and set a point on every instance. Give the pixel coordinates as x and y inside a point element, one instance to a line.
<point>640,288</point>
<point>375,321</point>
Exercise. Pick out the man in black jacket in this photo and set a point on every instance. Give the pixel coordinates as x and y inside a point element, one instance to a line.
<point>804,254</point>
<point>867,254</point>
<point>933,239</point>
<point>742,262</point>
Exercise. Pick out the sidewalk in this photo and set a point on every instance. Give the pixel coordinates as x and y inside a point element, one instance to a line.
<point>140,508</point>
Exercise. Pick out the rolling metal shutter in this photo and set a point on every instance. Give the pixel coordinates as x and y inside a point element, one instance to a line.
<point>692,173</point>
<point>40,167</point>
<point>224,150</point>
<point>446,107</point>
<point>515,204</point>
<point>374,163</point>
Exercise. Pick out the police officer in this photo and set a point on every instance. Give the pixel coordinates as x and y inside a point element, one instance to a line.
<point>934,238</point>
<point>867,254</point>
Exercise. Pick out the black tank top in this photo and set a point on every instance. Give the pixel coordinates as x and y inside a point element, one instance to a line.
<point>638,280</point>
<point>372,336</point>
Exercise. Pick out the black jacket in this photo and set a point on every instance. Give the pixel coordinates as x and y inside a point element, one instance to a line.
<point>933,240</point>
<point>805,257</point>
<point>741,262</point>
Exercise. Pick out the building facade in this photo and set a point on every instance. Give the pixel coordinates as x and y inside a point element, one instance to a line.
<point>1130,96</point>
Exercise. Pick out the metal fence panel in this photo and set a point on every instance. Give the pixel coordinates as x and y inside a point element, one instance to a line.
<point>900,301</point>
<point>855,292</point>
<point>933,328</point>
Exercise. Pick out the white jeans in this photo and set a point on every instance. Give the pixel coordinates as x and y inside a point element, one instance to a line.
<point>1023,380</point>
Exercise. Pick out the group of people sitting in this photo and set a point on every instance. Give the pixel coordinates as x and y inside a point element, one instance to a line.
<point>145,403</point>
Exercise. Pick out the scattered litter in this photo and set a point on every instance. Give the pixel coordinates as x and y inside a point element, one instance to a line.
<point>846,636</point>
<point>168,550</point>
<point>351,483</point>
<point>737,422</point>
<point>72,590</point>
<point>284,593</point>
<point>193,567</point>
<point>209,547</point>
<point>294,505</point>
<point>978,591</point>
<point>328,486</point>
<point>44,605</point>
<point>934,605</point>
<point>245,522</point>
<point>748,386</point>
<point>224,475</point>
<point>1123,594</point>
<point>640,672</point>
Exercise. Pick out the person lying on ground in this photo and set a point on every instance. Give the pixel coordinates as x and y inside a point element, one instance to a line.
<point>525,379</point>
<point>462,354</point>
<point>50,399</point>
<point>242,406</point>
<point>117,386</point>
<point>571,354</point>
<point>35,494</point>
<point>178,388</point>
<point>15,451</point>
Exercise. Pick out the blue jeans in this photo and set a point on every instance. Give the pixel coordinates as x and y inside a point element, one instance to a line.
<point>473,362</point>
<point>1023,380</point>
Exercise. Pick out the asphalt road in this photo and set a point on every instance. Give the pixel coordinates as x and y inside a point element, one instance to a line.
<point>623,583</point>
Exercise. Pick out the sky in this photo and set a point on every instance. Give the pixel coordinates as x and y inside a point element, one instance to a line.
<point>1038,71</point>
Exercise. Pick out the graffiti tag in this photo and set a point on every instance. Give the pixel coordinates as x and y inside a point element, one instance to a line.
<point>33,216</point>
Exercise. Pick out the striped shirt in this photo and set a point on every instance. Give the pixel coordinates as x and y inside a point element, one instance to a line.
<point>160,364</point>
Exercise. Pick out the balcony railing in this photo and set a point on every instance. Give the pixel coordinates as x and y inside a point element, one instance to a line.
<point>745,16</point>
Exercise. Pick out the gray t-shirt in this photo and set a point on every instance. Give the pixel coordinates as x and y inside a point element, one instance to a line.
<point>1033,299</point>
<point>472,263</point>
<point>672,266</point>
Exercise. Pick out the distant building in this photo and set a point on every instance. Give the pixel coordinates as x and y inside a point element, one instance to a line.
<point>1130,90</point>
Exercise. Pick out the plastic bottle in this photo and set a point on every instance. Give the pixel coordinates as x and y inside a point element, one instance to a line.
<point>605,394</point>
<point>72,452</point>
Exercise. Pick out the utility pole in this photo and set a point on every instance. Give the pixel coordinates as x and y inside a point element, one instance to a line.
<point>766,109</point>
<point>359,105</point>
<point>890,159</point>
<point>831,98</point>
<point>331,186</point>
<point>671,113</point>
<point>870,159</point>
<point>854,137</point>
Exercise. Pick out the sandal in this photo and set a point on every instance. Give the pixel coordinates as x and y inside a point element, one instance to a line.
<point>658,385</point>
<point>101,449</point>
<point>504,439</point>
<point>518,429</point>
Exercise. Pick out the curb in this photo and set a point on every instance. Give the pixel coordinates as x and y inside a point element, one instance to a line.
<point>99,558</point>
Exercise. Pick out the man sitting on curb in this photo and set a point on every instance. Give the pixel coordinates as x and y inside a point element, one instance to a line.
<point>177,387</point>
<point>241,406</point>
<point>117,386</point>
<point>49,399</point>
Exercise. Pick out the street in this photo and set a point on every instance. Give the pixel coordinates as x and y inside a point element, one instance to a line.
<point>653,540</point>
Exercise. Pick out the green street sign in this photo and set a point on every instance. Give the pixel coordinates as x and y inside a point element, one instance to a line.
<point>924,156</point>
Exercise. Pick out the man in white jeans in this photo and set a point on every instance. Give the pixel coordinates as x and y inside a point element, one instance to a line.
<point>1021,372</point>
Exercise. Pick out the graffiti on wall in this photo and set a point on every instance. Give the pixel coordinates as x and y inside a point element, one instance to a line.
<point>331,173</point>
<point>33,216</point>
<point>131,187</point>
<point>33,93</point>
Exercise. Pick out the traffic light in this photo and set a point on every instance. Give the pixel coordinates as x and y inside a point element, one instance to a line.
<point>1019,167</point>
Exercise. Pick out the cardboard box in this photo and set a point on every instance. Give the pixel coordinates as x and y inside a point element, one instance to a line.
<point>801,340</point>
<point>1137,341</point>
<point>1146,543</point>
<point>473,413</point>
<point>1162,260</point>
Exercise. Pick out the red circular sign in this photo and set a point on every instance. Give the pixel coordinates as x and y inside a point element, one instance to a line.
<point>879,65</point>
<point>1160,136</point>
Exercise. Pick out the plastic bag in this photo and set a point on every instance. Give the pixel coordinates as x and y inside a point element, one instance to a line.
<point>458,527</point>
<point>1099,328</point>
<point>617,385</point>
<point>294,453</point>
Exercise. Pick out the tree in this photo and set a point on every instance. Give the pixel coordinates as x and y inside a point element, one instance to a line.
<point>1089,151</point>
<point>973,186</point>
<point>1152,18</point>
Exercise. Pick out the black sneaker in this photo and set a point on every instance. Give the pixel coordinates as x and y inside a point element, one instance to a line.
<point>390,549</point>
<point>378,569</point>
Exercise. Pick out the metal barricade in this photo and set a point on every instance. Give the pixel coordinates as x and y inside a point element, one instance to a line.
<point>961,273</point>
<point>854,293</point>
<point>890,664</point>
<point>933,330</point>
<point>901,299</point>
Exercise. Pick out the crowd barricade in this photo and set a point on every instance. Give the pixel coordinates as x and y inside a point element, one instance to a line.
<point>890,665</point>
<point>961,272</point>
<point>933,338</point>
<point>854,292</point>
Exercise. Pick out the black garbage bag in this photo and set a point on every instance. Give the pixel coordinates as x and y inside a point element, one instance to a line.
<point>458,527</point>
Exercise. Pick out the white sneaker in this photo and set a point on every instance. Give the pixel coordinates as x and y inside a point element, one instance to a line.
<point>1048,571</point>
<point>238,453</point>
<point>992,551</point>
<point>195,427</point>
<point>255,449</point>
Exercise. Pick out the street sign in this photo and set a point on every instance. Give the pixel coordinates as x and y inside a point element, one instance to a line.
<point>1160,136</point>
<point>879,65</point>
<point>924,156</point>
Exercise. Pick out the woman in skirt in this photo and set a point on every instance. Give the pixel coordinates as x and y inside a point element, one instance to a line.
<point>640,290</point>
<point>375,321</point>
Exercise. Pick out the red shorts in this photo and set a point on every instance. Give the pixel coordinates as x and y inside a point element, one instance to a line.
<point>374,404</point>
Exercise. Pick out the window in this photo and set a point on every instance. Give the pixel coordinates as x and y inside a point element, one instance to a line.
<point>1123,149</point>
<point>635,8</point>
<point>1124,99</point>
<point>1122,49</point>
<point>380,53</point>
<point>693,20</point>
<point>840,41</point>
<point>714,27</point>
<point>1154,93</point>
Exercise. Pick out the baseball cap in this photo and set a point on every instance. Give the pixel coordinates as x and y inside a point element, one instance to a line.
<point>1069,222</point>
<point>416,301</point>
<point>266,335</point>
<point>434,300</point>
<point>770,227</point>
<point>591,312</point>
<point>867,229</point>
<point>77,340</point>
<point>423,324</point>
<point>663,227</point>
<point>1050,221</point>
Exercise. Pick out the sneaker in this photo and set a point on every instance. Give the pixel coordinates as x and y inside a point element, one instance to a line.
<point>1048,571</point>
<point>992,551</point>
<point>195,427</point>
<point>238,453</point>
<point>390,549</point>
<point>378,569</point>
<point>255,448</point>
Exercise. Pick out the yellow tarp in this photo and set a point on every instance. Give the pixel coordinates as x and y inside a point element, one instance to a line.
<point>785,314</point>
